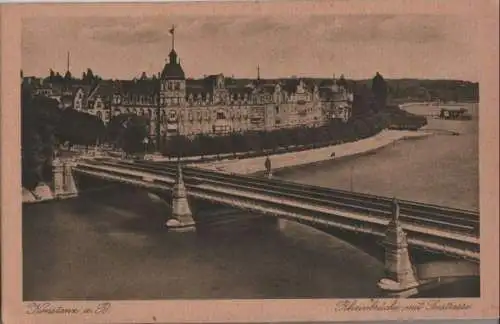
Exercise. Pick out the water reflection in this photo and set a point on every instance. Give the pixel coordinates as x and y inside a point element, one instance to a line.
<point>117,248</point>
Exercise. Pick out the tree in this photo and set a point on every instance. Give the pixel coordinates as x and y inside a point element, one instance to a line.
<point>67,76</point>
<point>134,134</point>
<point>281,138</point>
<point>252,140</point>
<point>127,131</point>
<point>379,90</point>
<point>237,142</point>
<point>362,101</point>
<point>342,82</point>
<point>89,76</point>
<point>80,128</point>
<point>39,117</point>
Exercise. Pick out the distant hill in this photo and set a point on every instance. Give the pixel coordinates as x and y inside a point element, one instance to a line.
<point>399,90</point>
<point>404,90</point>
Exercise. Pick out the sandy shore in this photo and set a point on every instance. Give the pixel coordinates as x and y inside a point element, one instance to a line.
<point>292,159</point>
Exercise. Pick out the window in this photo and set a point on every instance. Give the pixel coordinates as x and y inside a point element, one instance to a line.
<point>277,109</point>
<point>220,115</point>
<point>177,86</point>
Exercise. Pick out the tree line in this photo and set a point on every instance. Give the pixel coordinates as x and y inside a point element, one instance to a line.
<point>46,130</point>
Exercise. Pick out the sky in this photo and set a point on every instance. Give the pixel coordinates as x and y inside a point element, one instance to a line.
<point>319,45</point>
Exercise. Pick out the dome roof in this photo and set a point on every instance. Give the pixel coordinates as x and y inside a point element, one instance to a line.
<point>173,71</point>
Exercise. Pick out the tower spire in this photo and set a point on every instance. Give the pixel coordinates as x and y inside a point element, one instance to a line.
<point>172,32</point>
<point>67,63</point>
<point>258,72</point>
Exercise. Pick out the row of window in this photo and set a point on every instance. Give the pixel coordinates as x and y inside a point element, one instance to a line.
<point>171,86</point>
<point>294,109</point>
<point>172,116</point>
<point>192,116</point>
<point>198,99</point>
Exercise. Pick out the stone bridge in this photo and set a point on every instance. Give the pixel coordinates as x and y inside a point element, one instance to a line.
<point>401,234</point>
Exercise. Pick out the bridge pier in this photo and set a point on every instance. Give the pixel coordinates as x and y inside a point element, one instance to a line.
<point>63,182</point>
<point>69,180</point>
<point>182,217</point>
<point>401,279</point>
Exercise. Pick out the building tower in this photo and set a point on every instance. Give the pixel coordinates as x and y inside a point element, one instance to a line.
<point>173,80</point>
<point>172,89</point>
<point>67,93</point>
<point>67,76</point>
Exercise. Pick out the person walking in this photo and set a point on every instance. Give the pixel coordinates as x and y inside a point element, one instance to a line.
<point>268,166</point>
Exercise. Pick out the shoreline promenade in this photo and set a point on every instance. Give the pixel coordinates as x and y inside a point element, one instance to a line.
<point>302,158</point>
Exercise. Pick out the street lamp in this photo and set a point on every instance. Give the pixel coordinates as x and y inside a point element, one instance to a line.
<point>350,178</point>
<point>145,141</point>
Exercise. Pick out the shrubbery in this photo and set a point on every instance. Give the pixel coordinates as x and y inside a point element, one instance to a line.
<point>128,131</point>
<point>43,127</point>
<point>281,140</point>
<point>401,119</point>
<point>293,139</point>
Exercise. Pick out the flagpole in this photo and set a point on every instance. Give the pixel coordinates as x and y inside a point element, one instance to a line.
<point>179,137</point>
<point>172,31</point>
<point>158,118</point>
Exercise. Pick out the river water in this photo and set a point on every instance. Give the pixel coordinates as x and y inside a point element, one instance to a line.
<point>441,169</point>
<point>112,244</point>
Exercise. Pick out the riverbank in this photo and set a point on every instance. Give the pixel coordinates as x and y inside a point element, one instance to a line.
<point>293,159</point>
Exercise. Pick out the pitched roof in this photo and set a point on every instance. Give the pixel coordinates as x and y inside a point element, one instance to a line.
<point>240,90</point>
<point>290,85</point>
<point>104,89</point>
<point>135,87</point>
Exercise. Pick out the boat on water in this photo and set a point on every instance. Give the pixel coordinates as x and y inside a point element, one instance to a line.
<point>454,113</point>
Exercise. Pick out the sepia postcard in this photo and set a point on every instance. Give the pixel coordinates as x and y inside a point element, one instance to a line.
<point>249,161</point>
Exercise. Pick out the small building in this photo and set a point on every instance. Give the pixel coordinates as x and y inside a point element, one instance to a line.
<point>458,113</point>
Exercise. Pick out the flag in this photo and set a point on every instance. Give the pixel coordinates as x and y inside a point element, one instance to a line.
<point>171,31</point>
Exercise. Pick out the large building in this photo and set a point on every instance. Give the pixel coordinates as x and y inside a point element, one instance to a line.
<point>214,105</point>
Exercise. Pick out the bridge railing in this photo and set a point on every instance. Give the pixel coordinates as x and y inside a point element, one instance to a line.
<point>346,203</point>
<point>468,218</point>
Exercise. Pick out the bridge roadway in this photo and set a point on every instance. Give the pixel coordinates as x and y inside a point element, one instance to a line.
<point>462,220</point>
<point>439,229</point>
